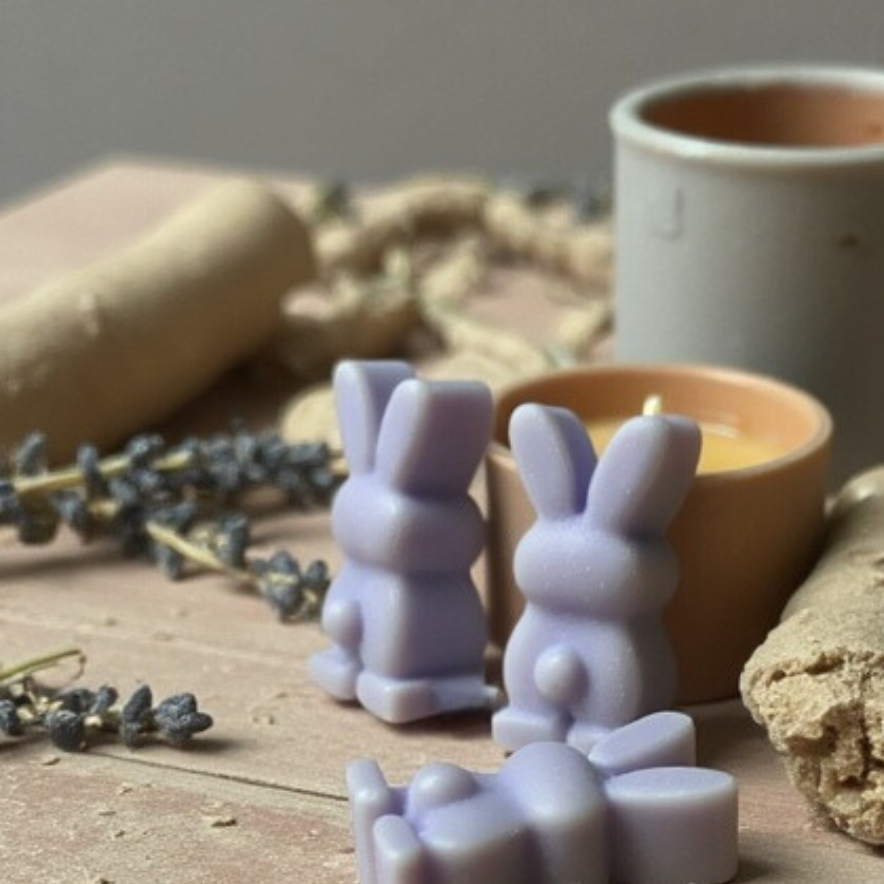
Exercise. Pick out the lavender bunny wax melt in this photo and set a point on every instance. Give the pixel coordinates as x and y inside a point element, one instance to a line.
<point>404,616</point>
<point>590,653</point>
<point>636,811</point>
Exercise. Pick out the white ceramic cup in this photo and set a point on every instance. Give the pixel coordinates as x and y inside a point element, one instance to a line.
<point>750,232</point>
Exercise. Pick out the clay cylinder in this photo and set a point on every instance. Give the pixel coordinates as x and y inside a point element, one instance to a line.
<point>98,353</point>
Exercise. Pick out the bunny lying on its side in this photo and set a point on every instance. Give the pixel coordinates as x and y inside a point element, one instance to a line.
<point>590,653</point>
<point>406,622</point>
<point>636,811</point>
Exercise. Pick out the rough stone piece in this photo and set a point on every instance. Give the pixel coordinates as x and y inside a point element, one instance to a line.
<point>817,683</point>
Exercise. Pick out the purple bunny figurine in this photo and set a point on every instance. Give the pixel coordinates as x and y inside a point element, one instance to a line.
<point>636,811</point>
<point>406,622</point>
<point>590,653</point>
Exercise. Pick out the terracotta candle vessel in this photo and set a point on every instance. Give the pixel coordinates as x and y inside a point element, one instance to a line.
<point>744,538</point>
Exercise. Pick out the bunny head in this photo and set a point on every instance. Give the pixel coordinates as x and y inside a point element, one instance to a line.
<point>598,543</point>
<point>412,447</point>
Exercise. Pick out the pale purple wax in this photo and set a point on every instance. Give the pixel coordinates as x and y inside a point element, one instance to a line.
<point>590,652</point>
<point>635,811</point>
<point>407,627</point>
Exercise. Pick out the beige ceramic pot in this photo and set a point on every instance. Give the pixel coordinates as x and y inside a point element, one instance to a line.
<point>745,538</point>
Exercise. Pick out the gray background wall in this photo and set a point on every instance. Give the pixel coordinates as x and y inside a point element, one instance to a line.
<point>371,89</point>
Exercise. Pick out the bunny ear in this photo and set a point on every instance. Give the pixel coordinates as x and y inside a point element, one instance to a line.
<point>554,457</point>
<point>433,435</point>
<point>362,391</point>
<point>644,475</point>
<point>662,739</point>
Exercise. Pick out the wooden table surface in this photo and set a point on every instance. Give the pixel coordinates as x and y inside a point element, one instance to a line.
<point>272,767</point>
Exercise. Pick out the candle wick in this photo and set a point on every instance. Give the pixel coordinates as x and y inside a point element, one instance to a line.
<point>653,404</point>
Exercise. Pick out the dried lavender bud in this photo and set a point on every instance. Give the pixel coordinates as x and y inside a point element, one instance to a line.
<point>136,717</point>
<point>37,523</point>
<point>124,492</point>
<point>10,505</point>
<point>67,729</point>
<point>316,577</point>
<point>279,581</point>
<point>88,464</point>
<point>144,449</point>
<point>308,454</point>
<point>232,539</point>
<point>147,481</point>
<point>103,699</point>
<point>171,561</point>
<point>323,482</point>
<point>10,720</point>
<point>223,467</point>
<point>71,508</point>
<point>128,527</point>
<point>29,459</point>
<point>295,486</point>
<point>77,700</point>
<point>305,475</point>
<point>273,451</point>
<point>178,516</point>
<point>247,449</point>
<point>178,719</point>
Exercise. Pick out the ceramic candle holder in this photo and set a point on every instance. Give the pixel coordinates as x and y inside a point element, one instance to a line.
<point>745,538</point>
<point>750,211</point>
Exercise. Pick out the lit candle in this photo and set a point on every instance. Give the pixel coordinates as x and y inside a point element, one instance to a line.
<point>724,447</point>
<point>744,538</point>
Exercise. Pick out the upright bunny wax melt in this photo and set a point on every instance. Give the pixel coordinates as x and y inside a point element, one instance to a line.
<point>636,811</point>
<point>406,622</point>
<point>590,653</point>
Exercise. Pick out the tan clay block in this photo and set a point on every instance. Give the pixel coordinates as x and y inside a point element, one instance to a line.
<point>98,353</point>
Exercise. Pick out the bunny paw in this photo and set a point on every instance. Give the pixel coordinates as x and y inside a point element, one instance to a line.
<point>584,736</point>
<point>342,622</point>
<point>336,672</point>
<point>513,728</point>
<point>399,700</point>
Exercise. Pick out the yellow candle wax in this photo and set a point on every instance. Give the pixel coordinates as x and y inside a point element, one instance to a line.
<point>723,447</point>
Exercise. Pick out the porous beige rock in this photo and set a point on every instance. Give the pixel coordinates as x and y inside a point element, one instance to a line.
<point>817,682</point>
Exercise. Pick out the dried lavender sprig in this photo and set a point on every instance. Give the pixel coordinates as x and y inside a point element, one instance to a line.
<point>293,594</point>
<point>223,464</point>
<point>149,486</point>
<point>70,717</point>
<point>28,668</point>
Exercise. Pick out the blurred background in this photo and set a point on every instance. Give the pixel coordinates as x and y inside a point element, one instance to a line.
<point>370,89</point>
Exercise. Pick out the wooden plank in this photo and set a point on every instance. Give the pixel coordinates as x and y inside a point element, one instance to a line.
<point>276,757</point>
<point>92,820</point>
